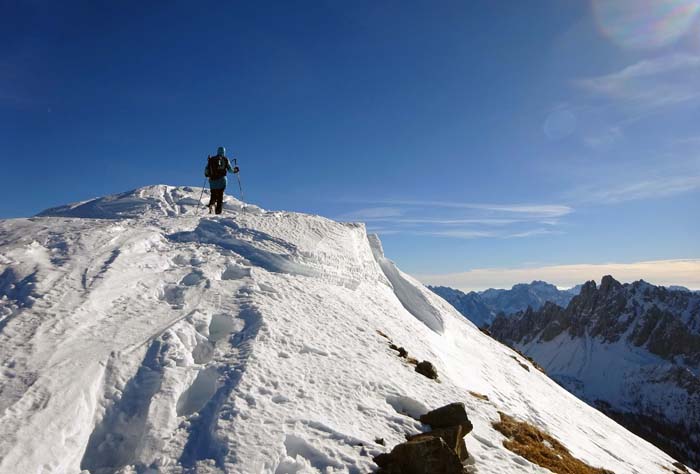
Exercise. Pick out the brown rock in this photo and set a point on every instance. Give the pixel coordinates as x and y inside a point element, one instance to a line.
<point>401,350</point>
<point>427,369</point>
<point>383,460</point>
<point>423,456</point>
<point>452,436</point>
<point>448,416</point>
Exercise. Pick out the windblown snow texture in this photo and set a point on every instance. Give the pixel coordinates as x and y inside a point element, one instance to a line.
<point>139,337</point>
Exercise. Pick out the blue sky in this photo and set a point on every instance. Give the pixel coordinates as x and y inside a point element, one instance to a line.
<point>471,135</point>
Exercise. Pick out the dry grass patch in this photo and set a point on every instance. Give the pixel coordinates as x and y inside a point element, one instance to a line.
<point>681,468</point>
<point>479,396</point>
<point>403,353</point>
<point>522,364</point>
<point>530,359</point>
<point>383,335</point>
<point>676,469</point>
<point>540,448</point>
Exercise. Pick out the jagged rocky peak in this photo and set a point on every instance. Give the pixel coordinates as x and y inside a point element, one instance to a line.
<point>608,285</point>
<point>482,307</point>
<point>588,288</point>
<point>642,311</point>
<point>470,304</point>
<point>678,288</point>
<point>539,284</point>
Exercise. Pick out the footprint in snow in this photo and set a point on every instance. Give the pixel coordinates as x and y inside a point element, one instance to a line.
<point>280,399</point>
<point>235,272</point>
<point>174,295</point>
<point>406,406</point>
<point>192,279</point>
<point>306,349</point>
<point>180,260</point>
<point>223,325</point>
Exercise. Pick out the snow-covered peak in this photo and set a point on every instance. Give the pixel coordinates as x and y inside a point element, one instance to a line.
<point>155,200</point>
<point>481,308</point>
<point>246,343</point>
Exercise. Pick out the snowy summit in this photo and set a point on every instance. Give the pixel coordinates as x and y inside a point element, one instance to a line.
<point>138,336</point>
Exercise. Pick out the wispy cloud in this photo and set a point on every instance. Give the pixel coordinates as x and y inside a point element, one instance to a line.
<point>647,68</point>
<point>460,234</point>
<point>459,220</point>
<point>532,233</point>
<point>605,139</point>
<point>643,189</point>
<point>372,213</point>
<point>661,272</point>
<point>614,102</point>
<point>442,221</point>
<point>464,234</point>
<point>524,210</point>
<point>651,83</point>
<point>382,231</point>
<point>500,234</point>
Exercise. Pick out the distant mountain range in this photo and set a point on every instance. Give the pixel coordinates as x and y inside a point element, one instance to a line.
<point>482,307</point>
<point>631,350</point>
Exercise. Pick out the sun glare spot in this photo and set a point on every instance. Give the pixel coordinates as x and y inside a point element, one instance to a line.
<point>645,24</point>
<point>559,124</point>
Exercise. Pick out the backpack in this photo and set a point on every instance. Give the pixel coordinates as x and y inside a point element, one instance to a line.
<point>216,167</point>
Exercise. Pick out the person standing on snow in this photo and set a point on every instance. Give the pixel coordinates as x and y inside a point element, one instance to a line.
<point>216,169</point>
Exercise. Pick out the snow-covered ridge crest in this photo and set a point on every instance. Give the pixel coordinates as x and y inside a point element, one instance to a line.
<point>166,342</point>
<point>159,200</point>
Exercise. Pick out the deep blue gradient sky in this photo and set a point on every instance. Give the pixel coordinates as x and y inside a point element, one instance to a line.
<point>469,134</point>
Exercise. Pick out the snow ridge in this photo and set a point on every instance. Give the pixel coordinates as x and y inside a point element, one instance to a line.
<point>410,293</point>
<point>138,336</point>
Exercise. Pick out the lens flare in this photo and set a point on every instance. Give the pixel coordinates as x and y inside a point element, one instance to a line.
<point>645,24</point>
<point>559,124</point>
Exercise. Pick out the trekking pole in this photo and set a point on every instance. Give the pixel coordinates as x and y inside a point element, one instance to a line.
<point>238,176</point>
<point>199,203</point>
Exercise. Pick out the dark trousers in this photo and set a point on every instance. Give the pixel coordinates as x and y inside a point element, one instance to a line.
<point>217,199</point>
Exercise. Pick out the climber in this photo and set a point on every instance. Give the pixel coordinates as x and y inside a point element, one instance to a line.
<point>216,169</point>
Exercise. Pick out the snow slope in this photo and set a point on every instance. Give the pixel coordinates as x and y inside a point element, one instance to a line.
<point>137,336</point>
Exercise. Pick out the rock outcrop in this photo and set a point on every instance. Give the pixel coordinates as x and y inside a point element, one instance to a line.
<point>427,455</point>
<point>441,450</point>
<point>427,369</point>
